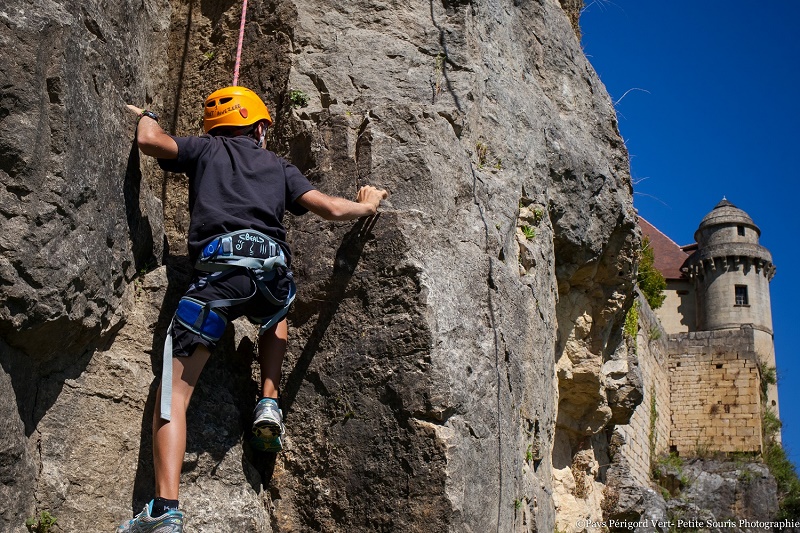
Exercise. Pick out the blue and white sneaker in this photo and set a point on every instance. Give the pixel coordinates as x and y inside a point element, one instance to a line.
<point>267,420</point>
<point>268,426</point>
<point>169,522</point>
<point>273,445</point>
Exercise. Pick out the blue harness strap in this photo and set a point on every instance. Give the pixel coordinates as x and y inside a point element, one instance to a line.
<point>249,249</point>
<point>201,318</point>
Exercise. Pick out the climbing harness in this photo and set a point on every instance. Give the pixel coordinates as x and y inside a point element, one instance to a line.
<point>261,257</point>
<point>247,248</point>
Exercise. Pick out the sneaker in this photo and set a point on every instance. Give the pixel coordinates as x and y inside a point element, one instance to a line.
<point>266,445</point>
<point>169,522</point>
<point>268,420</point>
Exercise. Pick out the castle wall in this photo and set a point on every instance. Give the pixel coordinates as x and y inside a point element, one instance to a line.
<point>651,349</point>
<point>714,392</point>
<point>702,353</point>
<point>678,313</point>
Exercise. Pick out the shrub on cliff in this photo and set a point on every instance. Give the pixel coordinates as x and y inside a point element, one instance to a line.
<point>651,282</point>
<point>781,467</point>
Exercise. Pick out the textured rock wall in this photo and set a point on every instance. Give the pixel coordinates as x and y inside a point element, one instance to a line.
<point>17,466</point>
<point>484,142</point>
<point>711,495</point>
<point>445,359</point>
<point>77,221</point>
<point>720,490</point>
<point>635,448</point>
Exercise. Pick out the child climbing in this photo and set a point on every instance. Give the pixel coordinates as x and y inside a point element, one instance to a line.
<point>238,194</point>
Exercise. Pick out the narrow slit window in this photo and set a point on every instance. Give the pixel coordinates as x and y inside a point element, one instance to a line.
<point>741,295</point>
<point>741,230</point>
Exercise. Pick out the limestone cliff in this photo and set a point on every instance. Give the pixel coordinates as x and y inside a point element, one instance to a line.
<point>453,364</point>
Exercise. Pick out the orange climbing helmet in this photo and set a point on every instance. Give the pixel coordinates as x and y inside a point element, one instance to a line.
<point>234,106</point>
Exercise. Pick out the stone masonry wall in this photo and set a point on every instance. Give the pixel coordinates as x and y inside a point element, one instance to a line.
<point>715,393</point>
<point>651,349</point>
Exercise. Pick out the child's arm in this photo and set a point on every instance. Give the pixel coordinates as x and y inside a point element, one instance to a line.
<point>152,140</point>
<point>336,208</point>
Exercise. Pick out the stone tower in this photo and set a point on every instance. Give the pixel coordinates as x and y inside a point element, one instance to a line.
<point>731,272</point>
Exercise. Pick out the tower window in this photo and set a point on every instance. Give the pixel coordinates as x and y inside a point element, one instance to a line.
<point>741,230</point>
<point>741,295</point>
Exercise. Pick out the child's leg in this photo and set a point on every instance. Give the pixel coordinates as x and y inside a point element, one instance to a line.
<point>169,438</point>
<point>271,350</point>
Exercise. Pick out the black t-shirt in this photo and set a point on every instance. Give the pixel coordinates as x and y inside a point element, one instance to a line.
<point>234,185</point>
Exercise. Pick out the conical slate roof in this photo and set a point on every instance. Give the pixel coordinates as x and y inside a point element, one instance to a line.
<point>727,213</point>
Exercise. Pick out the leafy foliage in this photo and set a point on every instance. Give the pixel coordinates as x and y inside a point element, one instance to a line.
<point>781,467</point>
<point>769,376</point>
<point>298,98</point>
<point>529,232</point>
<point>652,436</point>
<point>771,424</point>
<point>42,524</point>
<point>631,327</point>
<point>651,282</point>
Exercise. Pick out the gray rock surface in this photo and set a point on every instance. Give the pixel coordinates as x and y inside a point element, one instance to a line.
<point>17,468</point>
<point>732,488</point>
<point>704,495</point>
<point>95,441</point>
<point>435,352</point>
<point>76,222</point>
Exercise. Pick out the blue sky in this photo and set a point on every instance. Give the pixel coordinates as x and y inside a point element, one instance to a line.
<point>712,109</point>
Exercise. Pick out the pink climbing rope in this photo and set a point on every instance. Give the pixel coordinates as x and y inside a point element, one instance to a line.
<point>239,47</point>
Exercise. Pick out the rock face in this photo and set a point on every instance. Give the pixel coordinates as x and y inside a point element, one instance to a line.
<point>76,222</point>
<point>17,468</point>
<point>447,360</point>
<point>728,489</point>
<point>711,495</point>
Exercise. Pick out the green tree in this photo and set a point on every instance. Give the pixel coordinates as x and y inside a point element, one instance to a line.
<point>651,282</point>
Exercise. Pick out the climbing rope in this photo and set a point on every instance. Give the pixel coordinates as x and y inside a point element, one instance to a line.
<point>239,47</point>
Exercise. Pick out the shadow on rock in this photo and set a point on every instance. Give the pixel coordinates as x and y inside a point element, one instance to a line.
<point>347,257</point>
